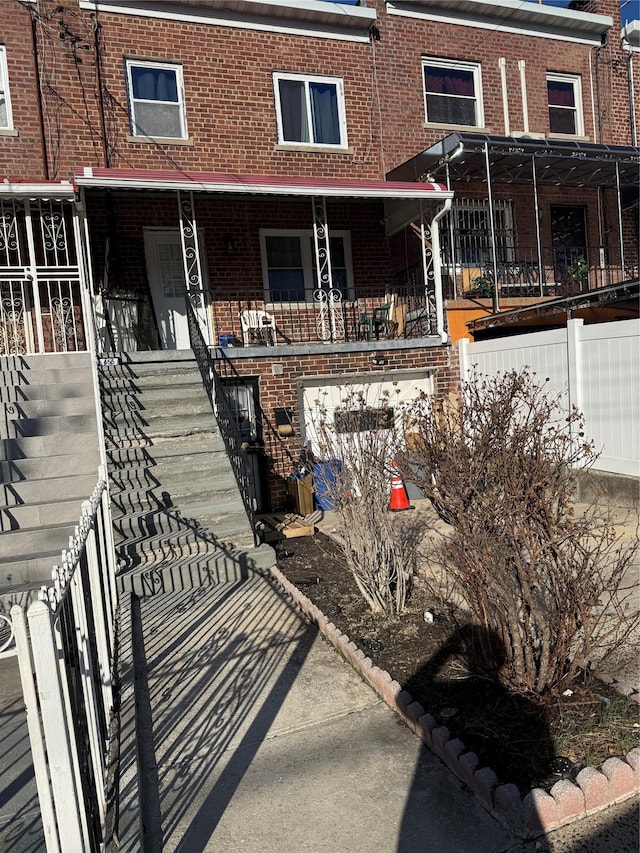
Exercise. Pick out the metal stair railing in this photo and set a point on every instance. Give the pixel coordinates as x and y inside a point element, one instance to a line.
<point>227,424</point>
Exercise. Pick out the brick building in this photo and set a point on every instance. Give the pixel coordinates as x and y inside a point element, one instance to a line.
<point>318,178</point>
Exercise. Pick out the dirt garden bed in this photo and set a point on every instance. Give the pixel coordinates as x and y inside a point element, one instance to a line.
<point>527,744</point>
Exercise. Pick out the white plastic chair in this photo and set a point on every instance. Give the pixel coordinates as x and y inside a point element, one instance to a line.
<point>258,327</point>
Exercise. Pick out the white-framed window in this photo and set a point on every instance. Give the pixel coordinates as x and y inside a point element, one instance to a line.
<point>289,264</point>
<point>310,110</point>
<point>564,93</point>
<point>452,92</point>
<point>6,118</point>
<point>156,99</point>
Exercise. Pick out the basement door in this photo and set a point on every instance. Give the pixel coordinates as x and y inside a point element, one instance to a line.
<point>165,268</point>
<point>243,398</point>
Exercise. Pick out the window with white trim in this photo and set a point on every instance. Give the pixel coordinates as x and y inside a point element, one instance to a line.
<point>156,99</point>
<point>564,93</point>
<point>6,119</point>
<point>289,264</point>
<point>452,92</point>
<point>310,110</point>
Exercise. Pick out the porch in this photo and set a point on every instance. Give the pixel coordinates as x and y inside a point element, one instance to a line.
<point>533,217</point>
<point>263,262</point>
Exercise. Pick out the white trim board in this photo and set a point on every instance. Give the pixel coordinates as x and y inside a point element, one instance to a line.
<point>222,18</point>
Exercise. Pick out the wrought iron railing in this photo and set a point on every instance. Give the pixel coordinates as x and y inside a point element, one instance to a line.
<point>522,271</point>
<point>227,423</point>
<point>296,322</point>
<point>65,646</point>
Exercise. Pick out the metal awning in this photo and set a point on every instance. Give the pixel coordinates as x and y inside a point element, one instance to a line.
<point>236,184</point>
<point>513,160</point>
<point>623,297</point>
<point>45,190</point>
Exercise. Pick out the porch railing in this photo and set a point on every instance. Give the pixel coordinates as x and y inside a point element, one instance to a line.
<point>410,315</point>
<point>560,271</point>
<point>65,647</point>
<point>225,419</point>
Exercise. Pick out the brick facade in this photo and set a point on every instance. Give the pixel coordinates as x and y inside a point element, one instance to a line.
<point>231,120</point>
<point>282,391</point>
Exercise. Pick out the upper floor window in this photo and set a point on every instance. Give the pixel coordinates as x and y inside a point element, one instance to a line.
<point>156,100</point>
<point>565,104</point>
<point>452,92</point>
<point>290,269</point>
<point>310,110</point>
<point>6,120</point>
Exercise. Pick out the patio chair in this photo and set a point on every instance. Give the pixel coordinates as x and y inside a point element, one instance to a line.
<point>375,321</point>
<point>258,327</point>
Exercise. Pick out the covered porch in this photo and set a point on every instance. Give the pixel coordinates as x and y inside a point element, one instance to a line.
<point>533,217</point>
<point>264,261</point>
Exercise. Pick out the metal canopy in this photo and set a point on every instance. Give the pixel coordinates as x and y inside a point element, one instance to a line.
<point>513,159</point>
<point>623,297</point>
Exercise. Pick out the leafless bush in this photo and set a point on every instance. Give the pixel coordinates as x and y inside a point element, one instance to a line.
<point>357,443</point>
<point>500,464</point>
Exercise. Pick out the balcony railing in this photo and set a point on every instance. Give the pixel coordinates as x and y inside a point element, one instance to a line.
<point>561,271</point>
<point>404,311</point>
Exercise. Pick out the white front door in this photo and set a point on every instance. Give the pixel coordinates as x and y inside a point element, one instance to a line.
<point>165,268</point>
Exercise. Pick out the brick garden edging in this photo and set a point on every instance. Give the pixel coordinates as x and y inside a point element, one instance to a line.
<point>536,812</point>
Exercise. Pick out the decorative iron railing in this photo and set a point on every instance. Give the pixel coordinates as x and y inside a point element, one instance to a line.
<point>65,645</point>
<point>227,423</point>
<point>522,271</point>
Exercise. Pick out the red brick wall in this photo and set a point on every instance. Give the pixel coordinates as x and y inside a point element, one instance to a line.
<point>228,88</point>
<point>404,41</point>
<point>21,156</point>
<point>282,391</point>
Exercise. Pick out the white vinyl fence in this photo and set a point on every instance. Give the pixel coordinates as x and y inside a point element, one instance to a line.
<point>596,366</point>
<point>65,648</point>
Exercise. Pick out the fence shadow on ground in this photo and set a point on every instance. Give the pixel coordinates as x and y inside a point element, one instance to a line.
<point>212,670</point>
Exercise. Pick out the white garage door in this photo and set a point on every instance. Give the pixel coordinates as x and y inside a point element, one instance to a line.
<point>322,395</point>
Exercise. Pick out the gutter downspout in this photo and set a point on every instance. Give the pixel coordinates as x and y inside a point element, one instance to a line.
<point>437,267</point>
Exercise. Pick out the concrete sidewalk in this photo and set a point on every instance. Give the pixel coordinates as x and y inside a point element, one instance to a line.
<point>254,735</point>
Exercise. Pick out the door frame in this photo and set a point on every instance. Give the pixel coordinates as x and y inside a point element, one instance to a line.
<point>151,236</point>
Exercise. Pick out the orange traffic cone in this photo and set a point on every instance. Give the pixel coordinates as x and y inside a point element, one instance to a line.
<point>399,499</point>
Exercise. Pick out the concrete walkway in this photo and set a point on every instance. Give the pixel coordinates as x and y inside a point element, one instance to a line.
<point>257,736</point>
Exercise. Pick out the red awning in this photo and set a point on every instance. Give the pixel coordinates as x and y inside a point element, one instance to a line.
<point>215,182</point>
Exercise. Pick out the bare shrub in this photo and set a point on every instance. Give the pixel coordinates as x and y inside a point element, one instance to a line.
<point>357,443</point>
<point>499,465</point>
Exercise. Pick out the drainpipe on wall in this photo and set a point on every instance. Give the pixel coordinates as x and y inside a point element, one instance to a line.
<point>437,267</point>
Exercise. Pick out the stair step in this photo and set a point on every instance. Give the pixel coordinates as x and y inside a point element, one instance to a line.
<point>45,467</point>
<point>64,444</point>
<point>19,410</point>
<point>130,398</point>
<point>165,448</point>
<point>115,419</point>
<point>160,426</point>
<point>195,569</point>
<point>154,471</point>
<point>17,545</point>
<point>81,388</point>
<point>137,530</point>
<point>180,492</point>
<point>44,514</point>
<point>67,487</point>
<point>29,365</point>
<point>48,426</point>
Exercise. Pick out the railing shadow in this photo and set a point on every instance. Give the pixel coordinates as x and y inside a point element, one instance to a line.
<point>20,822</point>
<point>216,664</point>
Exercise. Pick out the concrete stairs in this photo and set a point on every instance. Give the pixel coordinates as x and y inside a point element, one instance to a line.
<point>49,458</point>
<point>178,517</point>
